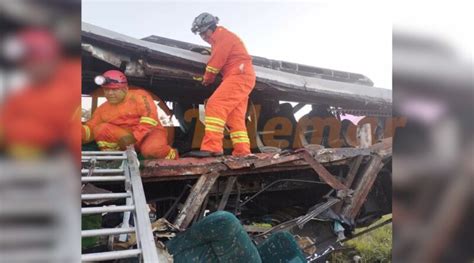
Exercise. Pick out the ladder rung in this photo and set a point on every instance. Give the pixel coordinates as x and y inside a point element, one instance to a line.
<point>104,196</point>
<point>103,171</point>
<point>86,179</point>
<point>107,231</point>
<point>110,255</point>
<point>106,209</point>
<point>103,158</point>
<point>85,153</point>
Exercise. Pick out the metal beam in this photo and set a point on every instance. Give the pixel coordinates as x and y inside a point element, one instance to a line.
<point>227,190</point>
<point>322,172</point>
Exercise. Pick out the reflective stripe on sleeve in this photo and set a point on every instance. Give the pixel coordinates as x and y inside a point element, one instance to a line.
<point>88,132</point>
<point>212,70</point>
<point>148,120</point>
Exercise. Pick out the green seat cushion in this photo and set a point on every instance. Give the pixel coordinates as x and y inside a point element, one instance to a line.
<point>218,237</point>
<point>281,247</point>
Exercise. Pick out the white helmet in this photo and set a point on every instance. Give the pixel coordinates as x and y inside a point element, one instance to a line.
<point>203,21</point>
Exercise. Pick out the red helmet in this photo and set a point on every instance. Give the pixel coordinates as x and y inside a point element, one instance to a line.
<point>112,79</point>
<point>32,44</point>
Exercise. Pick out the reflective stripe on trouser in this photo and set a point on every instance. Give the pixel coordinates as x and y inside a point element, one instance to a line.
<point>227,105</point>
<point>213,132</point>
<point>108,146</point>
<point>154,145</point>
<point>240,142</point>
<point>172,155</point>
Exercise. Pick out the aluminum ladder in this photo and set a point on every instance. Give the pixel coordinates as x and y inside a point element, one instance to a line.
<point>135,205</point>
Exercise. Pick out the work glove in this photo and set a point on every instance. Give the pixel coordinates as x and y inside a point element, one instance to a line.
<point>202,80</point>
<point>197,78</point>
<point>208,79</point>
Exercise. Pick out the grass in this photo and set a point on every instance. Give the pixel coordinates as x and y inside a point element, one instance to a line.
<point>375,246</point>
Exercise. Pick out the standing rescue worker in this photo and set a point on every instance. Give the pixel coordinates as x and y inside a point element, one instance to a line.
<point>128,117</point>
<point>228,103</point>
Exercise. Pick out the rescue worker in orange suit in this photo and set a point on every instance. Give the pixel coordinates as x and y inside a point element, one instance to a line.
<point>128,117</point>
<point>228,104</point>
<point>39,118</point>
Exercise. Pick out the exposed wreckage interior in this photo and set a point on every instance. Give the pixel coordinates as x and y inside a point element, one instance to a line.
<point>296,182</point>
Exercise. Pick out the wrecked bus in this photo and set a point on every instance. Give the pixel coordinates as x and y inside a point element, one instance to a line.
<point>315,173</point>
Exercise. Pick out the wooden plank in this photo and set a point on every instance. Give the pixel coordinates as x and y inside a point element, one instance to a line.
<point>353,171</point>
<point>363,187</point>
<point>195,199</point>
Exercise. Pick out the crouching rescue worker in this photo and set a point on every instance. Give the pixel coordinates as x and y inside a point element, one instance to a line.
<point>128,117</point>
<point>39,119</point>
<point>228,103</point>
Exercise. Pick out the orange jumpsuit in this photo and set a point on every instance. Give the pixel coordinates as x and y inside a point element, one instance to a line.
<point>40,117</point>
<point>228,104</point>
<point>134,120</point>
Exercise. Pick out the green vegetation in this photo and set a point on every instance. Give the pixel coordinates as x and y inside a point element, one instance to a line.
<point>90,222</point>
<point>375,246</point>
